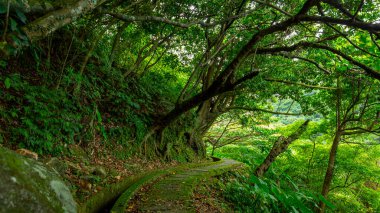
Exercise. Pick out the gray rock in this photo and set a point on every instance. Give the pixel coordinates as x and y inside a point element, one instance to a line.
<point>26,185</point>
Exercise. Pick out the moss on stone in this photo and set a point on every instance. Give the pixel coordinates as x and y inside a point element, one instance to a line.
<point>27,185</point>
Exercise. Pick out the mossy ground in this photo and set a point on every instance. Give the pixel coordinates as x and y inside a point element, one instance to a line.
<point>208,196</point>
<point>174,192</point>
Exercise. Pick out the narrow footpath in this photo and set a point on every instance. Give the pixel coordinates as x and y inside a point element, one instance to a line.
<point>173,193</point>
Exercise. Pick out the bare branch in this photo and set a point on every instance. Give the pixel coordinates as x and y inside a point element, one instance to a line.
<point>234,140</point>
<point>369,71</point>
<point>6,21</point>
<point>130,18</point>
<point>361,144</point>
<point>345,185</point>
<point>309,61</point>
<point>360,130</point>
<point>274,7</point>
<point>351,42</point>
<point>263,110</point>
<point>300,84</point>
<point>359,8</point>
<point>374,41</point>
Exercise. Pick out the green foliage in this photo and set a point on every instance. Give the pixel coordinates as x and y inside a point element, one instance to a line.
<point>45,121</point>
<point>274,194</point>
<point>101,126</point>
<point>52,104</point>
<point>293,182</point>
<point>7,83</point>
<point>78,85</point>
<point>266,195</point>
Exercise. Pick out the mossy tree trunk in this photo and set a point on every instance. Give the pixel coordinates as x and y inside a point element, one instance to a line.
<point>279,147</point>
<point>205,118</point>
<point>52,19</point>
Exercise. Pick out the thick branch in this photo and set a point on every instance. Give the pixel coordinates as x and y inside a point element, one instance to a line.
<point>374,28</point>
<point>54,20</point>
<point>246,50</point>
<point>245,78</point>
<point>309,61</point>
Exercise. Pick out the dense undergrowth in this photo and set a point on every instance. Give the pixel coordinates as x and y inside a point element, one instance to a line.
<point>47,105</point>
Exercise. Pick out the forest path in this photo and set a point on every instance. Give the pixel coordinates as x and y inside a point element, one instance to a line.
<point>173,193</point>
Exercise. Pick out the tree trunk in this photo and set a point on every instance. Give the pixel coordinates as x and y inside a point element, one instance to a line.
<point>51,22</point>
<point>205,118</point>
<point>334,148</point>
<point>116,42</point>
<point>31,6</point>
<point>330,169</point>
<point>279,147</point>
<point>56,19</point>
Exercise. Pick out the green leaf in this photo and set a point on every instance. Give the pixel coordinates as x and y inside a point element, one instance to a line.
<point>99,117</point>
<point>104,133</point>
<point>3,64</point>
<point>21,16</point>
<point>13,25</point>
<point>7,83</point>
<point>328,203</point>
<point>14,115</point>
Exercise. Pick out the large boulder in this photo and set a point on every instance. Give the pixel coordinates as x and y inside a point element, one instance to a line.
<point>26,185</point>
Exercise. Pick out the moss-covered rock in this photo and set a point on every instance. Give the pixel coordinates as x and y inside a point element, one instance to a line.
<point>27,185</point>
